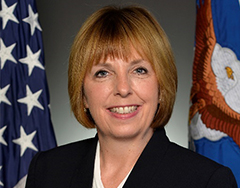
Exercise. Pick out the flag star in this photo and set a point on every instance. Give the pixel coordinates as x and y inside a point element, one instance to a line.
<point>6,53</point>
<point>21,183</point>
<point>7,14</point>
<point>31,100</point>
<point>32,19</point>
<point>3,97</point>
<point>32,60</point>
<point>0,181</point>
<point>1,135</point>
<point>25,141</point>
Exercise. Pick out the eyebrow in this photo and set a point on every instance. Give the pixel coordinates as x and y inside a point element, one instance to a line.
<point>108,65</point>
<point>105,65</point>
<point>134,62</point>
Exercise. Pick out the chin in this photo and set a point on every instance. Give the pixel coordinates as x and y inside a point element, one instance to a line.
<point>129,133</point>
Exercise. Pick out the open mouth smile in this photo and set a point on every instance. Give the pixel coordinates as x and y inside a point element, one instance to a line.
<point>124,110</point>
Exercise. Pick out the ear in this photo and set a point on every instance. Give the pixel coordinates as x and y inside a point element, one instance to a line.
<point>85,102</point>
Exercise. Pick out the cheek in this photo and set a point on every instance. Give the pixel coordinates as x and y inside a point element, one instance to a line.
<point>147,88</point>
<point>95,93</point>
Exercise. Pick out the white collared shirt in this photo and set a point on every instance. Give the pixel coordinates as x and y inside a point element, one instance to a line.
<point>97,181</point>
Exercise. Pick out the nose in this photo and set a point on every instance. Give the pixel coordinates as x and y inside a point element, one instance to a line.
<point>123,86</point>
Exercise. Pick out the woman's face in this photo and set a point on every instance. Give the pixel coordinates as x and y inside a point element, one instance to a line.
<point>122,96</point>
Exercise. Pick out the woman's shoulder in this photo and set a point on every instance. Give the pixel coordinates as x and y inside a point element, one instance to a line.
<point>185,152</point>
<point>70,154</point>
<point>180,155</point>
<point>56,167</point>
<point>71,149</point>
<point>190,158</point>
<point>181,167</point>
<point>198,168</point>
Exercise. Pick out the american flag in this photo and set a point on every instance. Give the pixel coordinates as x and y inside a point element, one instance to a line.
<point>25,124</point>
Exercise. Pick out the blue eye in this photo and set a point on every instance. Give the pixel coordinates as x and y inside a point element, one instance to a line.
<point>101,74</point>
<point>140,71</point>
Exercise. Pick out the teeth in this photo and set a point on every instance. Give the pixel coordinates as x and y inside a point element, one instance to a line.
<point>125,110</point>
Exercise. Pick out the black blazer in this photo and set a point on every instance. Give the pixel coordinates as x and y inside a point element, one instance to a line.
<point>161,164</point>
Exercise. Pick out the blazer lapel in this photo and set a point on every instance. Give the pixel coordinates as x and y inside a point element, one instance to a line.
<point>83,175</point>
<point>149,161</point>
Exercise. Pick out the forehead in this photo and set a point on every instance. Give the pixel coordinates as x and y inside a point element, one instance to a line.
<point>119,47</point>
<point>129,56</point>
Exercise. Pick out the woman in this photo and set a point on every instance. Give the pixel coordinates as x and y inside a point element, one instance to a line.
<point>123,82</point>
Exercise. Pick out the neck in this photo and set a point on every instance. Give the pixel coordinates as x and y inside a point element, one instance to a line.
<point>119,155</point>
<point>126,150</point>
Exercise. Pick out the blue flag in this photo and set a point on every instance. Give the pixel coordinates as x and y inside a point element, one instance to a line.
<point>25,124</point>
<point>214,116</point>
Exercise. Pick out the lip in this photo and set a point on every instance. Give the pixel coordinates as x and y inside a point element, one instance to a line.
<point>123,115</point>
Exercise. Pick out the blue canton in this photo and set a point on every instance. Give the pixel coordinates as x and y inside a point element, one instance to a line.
<point>25,124</point>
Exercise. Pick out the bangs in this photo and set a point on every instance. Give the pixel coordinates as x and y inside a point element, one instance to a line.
<point>113,44</point>
<point>113,36</point>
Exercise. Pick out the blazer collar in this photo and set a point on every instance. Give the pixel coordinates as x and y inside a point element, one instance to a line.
<point>149,161</point>
<point>83,175</point>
